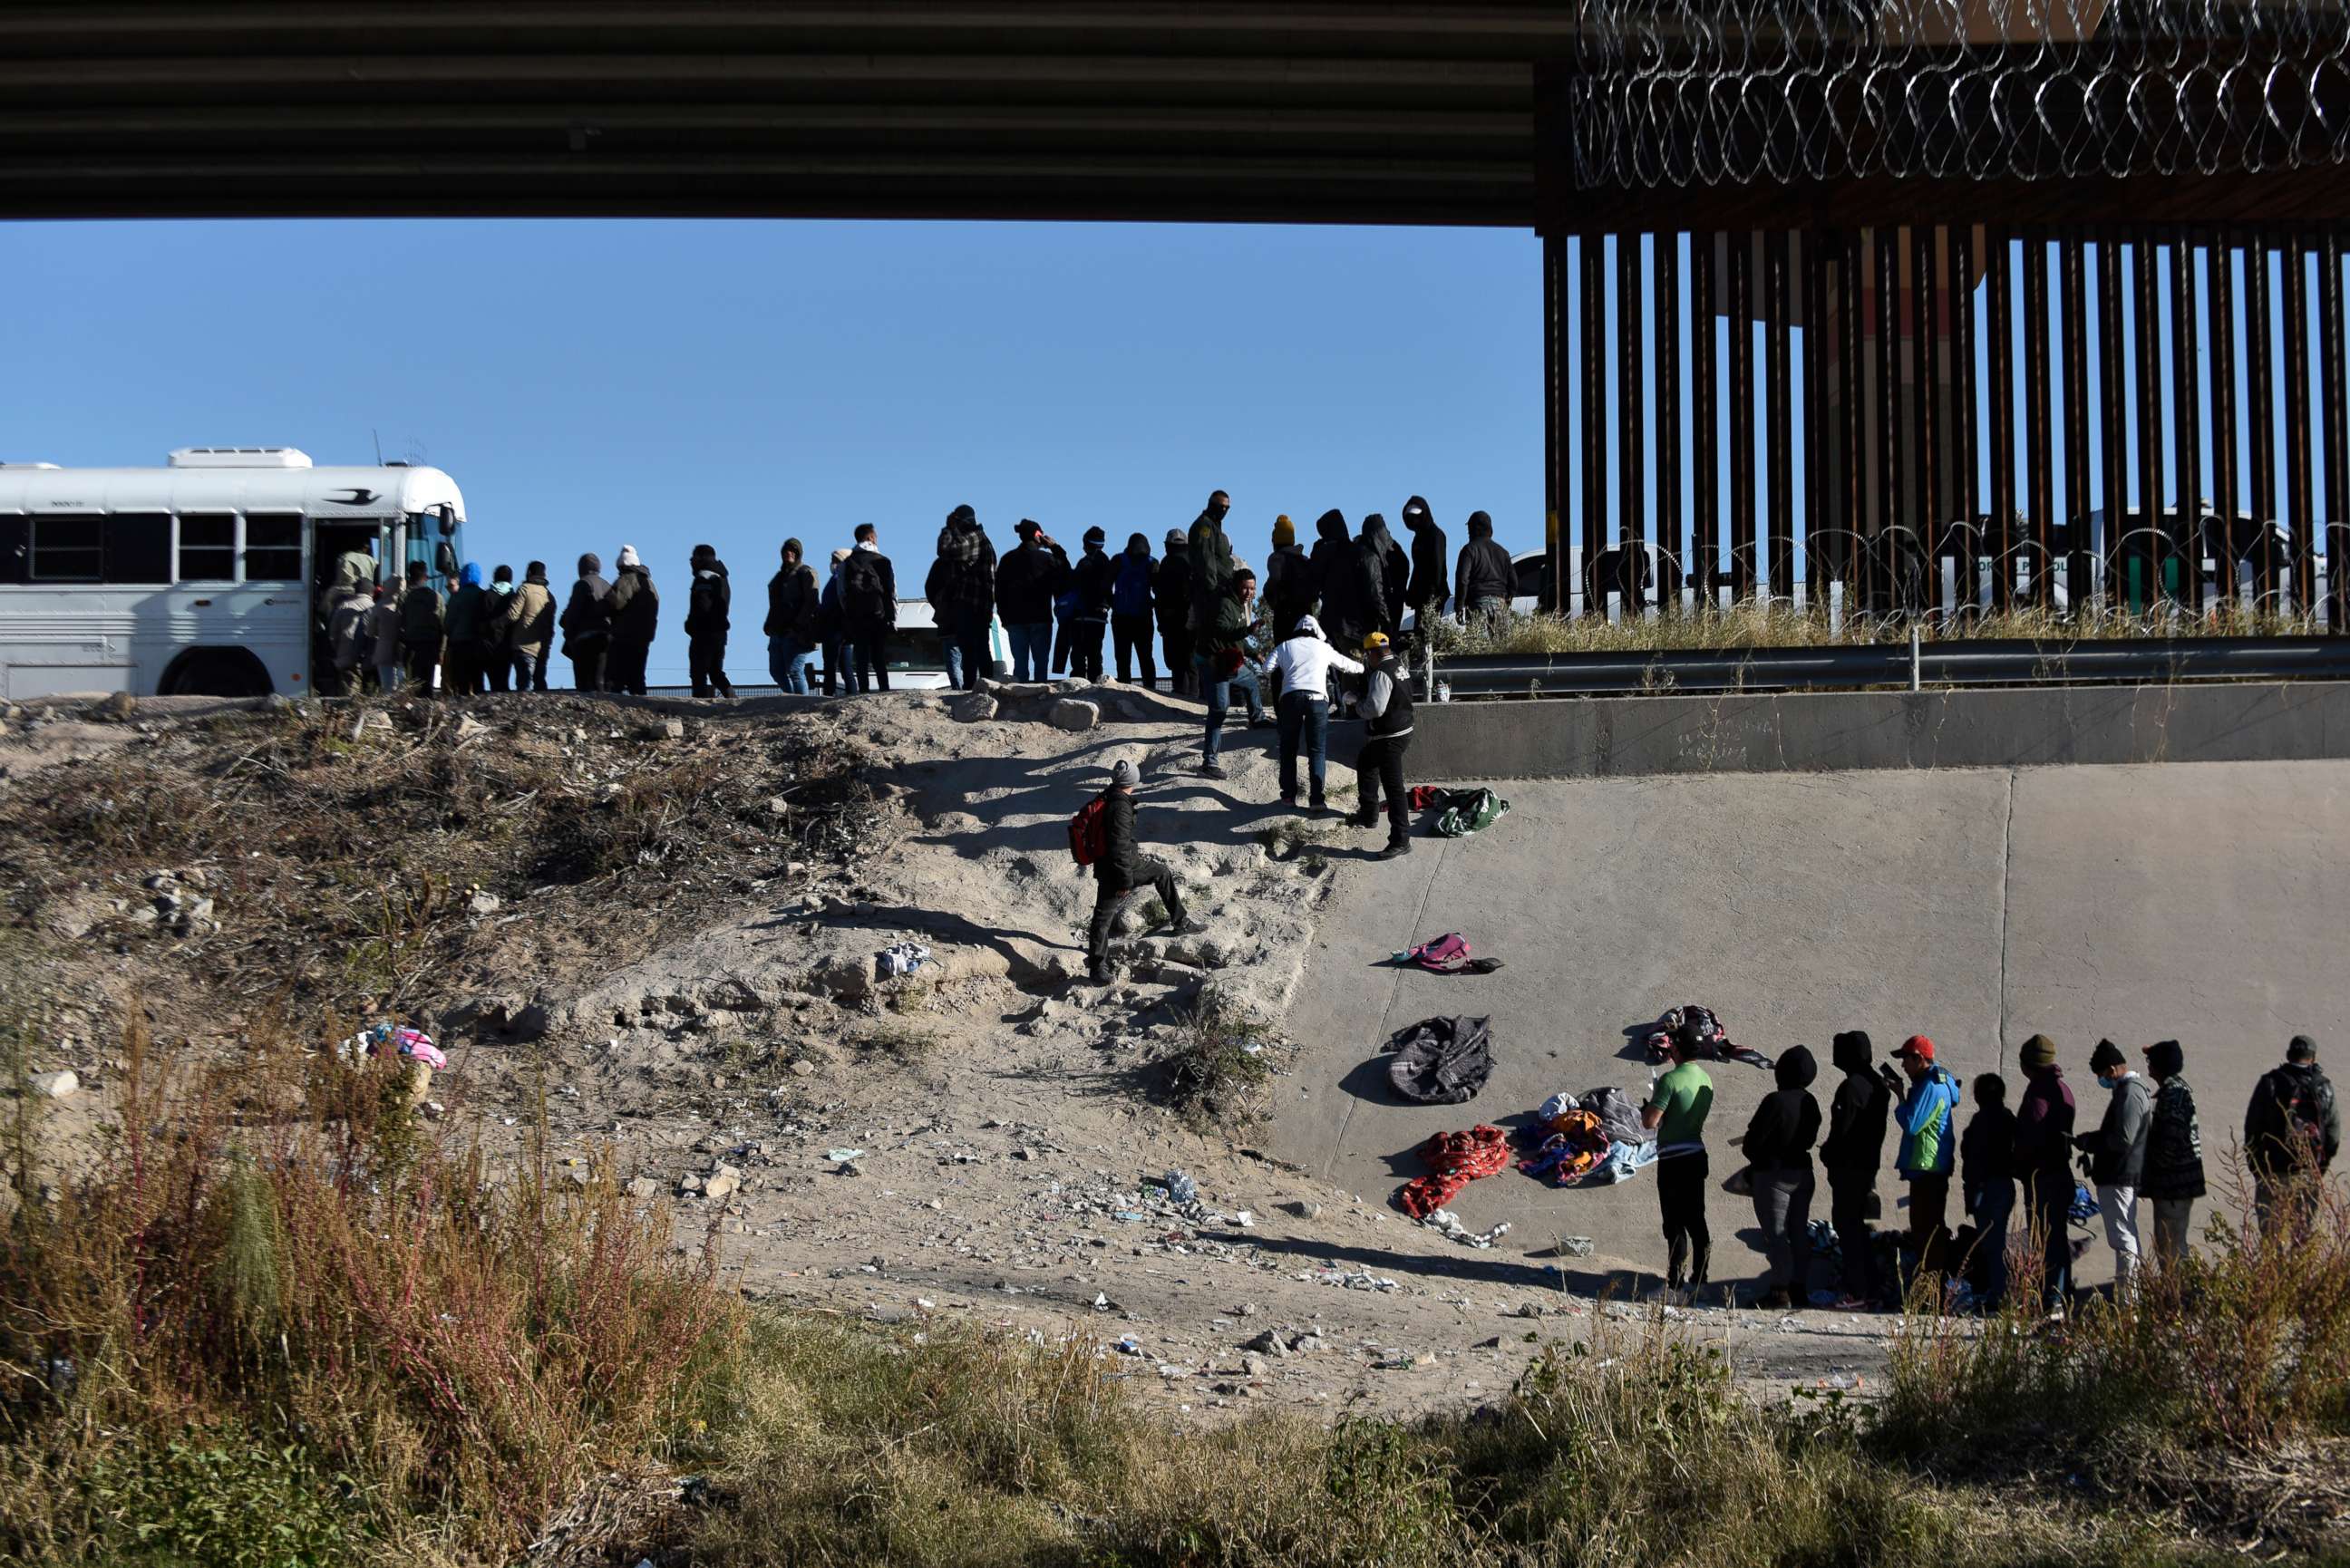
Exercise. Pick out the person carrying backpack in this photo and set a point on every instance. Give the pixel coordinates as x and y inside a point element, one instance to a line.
<point>2292,1133</point>
<point>868,608</point>
<point>1031,576</point>
<point>1852,1154</point>
<point>708,606</point>
<point>961,591</point>
<point>2174,1153</point>
<point>636,614</point>
<point>1103,837</point>
<point>1929,1146</point>
<point>794,607</point>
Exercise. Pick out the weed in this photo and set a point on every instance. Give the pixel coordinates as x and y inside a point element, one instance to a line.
<point>1219,1071</point>
<point>895,1037</point>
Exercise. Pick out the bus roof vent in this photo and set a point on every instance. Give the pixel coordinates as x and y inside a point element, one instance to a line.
<point>240,457</point>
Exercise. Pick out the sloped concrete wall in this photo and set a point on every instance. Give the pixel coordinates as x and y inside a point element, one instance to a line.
<point>1809,731</point>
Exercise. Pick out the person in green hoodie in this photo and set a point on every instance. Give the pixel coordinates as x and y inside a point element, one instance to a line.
<point>1929,1146</point>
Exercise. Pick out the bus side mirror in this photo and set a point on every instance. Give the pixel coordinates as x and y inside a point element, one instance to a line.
<point>444,559</point>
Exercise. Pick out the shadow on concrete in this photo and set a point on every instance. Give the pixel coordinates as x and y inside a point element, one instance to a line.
<point>942,924</point>
<point>1462,1264</point>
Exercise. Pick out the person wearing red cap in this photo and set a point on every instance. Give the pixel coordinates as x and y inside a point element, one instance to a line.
<point>1927,1118</point>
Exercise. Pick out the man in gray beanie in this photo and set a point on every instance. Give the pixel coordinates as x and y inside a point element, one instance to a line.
<point>1104,835</point>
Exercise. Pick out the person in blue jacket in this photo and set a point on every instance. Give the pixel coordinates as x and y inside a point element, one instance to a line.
<point>1129,610</point>
<point>1930,1142</point>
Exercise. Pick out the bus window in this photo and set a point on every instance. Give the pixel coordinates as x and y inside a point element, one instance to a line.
<point>273,548</point>
<point>138,547</point>
<point>66,550</point>
<point>207,547</point>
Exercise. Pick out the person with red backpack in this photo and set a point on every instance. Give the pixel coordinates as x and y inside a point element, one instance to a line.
<point>2293,1130</point>
<point>1102,835</point>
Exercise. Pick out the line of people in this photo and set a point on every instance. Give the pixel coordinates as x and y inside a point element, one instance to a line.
<point>2146,1146</point>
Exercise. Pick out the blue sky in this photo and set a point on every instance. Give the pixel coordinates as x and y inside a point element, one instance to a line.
<point>665,383</point>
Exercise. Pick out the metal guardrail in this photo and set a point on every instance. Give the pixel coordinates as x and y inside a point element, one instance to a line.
<point>1987,663</point>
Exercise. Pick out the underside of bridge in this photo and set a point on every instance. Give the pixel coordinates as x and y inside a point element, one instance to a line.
<point>2057,284</point>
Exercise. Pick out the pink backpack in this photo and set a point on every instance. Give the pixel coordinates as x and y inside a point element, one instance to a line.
<point>1449,954</point>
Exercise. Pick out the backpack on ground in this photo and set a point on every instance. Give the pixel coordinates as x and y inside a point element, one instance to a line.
<point>1448,954</point>
<point>862,592</point>
<point>1469,811</point>
<point>1089,831</point>
<point>1712,1039</point>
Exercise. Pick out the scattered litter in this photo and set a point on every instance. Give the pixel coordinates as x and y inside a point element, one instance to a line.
<point>1129,1345</point>
<point>1574,1247</point>
<point>843,1156</point>
<point>1102,1302</point>
<point>900,959</point>
<point>1244,1219</point>
<point>1181,1188</point>
<point>389,1039</point>
<point>1448,1222</point>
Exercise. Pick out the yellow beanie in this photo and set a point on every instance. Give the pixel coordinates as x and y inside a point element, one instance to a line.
<point>1284,532</point>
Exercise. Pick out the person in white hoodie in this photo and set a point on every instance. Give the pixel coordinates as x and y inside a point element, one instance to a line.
<point>1303,660</point>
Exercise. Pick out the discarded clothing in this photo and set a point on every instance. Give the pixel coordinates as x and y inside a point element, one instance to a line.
<point>1447,1221</point>
<point>1442,1060</point>
<point>902,957</point>
<point>1448,954</point>
<point>1480,810</point>
<point>1570,1154</point>
<point>2084,1204</point>
<point>1454,1159</point>
<point>1626,1160</point>
<point>1619,1116</point>
<point>388,1039</point>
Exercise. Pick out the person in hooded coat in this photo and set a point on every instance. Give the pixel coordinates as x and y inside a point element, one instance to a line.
<point>2116,1158</point>
<point>2043,1162</point>
<point>961,591</point>
<point>1130,609</point>
<point>869,607</point>
<point>348,612</point>
<point>2293,1131</point>
<point>1987,1185</point>
<point>709,616</point>
<point>1092,576</point>
<point>1350,594</point>
<point>587,626</point>
<point>794,607</point>
<point>2174,1153</point>
<point>1209,556</point>
<point>1427,591</point>
<point>461,673</point>
<point>1852,1156</point>
<point>636,613</point>
<point>1170,587</point>
<point>1485,579</point>
<point>1289,587</point>
<point>493,648</point>
<point>832,627</point>
<point>1379,573</point>
<point>421,630</point>
<point>1778,1148</point>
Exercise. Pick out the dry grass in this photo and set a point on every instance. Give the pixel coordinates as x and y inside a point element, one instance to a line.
<point>343,860</point>
<point>278,1320</point>
<point>1221,1072</point>
<point>1756,624</point>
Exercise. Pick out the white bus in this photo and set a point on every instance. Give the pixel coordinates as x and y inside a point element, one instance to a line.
<point>201,577</point>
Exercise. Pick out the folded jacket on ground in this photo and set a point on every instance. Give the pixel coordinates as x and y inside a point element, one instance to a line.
<point>1442,1060</point>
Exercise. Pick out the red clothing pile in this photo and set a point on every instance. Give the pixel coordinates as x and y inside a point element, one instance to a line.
<point>1454,1160</point>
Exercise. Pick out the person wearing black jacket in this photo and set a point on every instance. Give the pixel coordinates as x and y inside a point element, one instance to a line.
<point>1172,592</point>
<point>1485,579</point>
<point>1289,588</point>
<point>586,625</point>
<point>795,604</point>
<point>961,591</point>
<point>1381,569</point>
<point>1122,869</point>
<point>709,609</point>
<point>868,608</point>
<point>2174,1153</point>
<point>1350,593</point>
<point>1987,1184</point>
<point>1778,1147</point>
<point>1093,575</point>
<point>1426,592</point>
<point>1852,1156</point>
<point>2293,1131</point>
<point>1029,578</point>
<point>636,616</point>
<point>2044,1163</point>
<point>1386,707</point>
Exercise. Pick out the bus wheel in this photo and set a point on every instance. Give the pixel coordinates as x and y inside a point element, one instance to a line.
<point>215,672</point>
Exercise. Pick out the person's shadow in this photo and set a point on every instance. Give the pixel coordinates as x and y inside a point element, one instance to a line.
<point>1635,1040</point>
